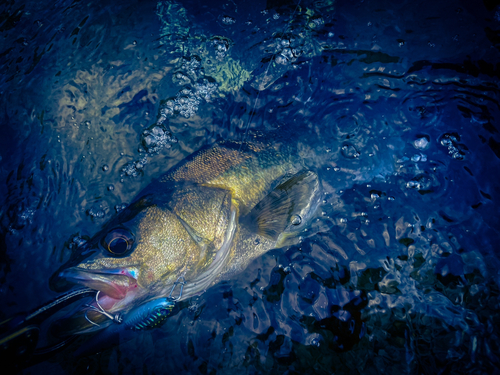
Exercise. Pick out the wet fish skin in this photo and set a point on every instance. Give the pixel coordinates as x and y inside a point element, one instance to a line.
<point>189,222</point>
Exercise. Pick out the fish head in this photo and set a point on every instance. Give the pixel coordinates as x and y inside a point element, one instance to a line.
<point>140,254</point>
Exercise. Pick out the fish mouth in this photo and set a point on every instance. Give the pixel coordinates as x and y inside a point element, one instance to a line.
<point>115,284</point>
<point>116,288</point>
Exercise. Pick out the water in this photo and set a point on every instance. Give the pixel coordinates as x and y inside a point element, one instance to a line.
<point>395,105</point>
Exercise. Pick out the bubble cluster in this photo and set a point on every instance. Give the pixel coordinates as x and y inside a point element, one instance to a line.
<point>220,46</point>
<point>155,138</point>
<point>191,65</point>
<point>120,207</point>
<point>287,49</point>
<point>134,168</point>
<point>27,214</point>
<point>96,212</point>
<point>188,100</point>
<point>195,89</point>
<point>420,182</point>
<point>227,20</point>
<point>455,150</point>
<point>206,90</point>
<point>181,78</point>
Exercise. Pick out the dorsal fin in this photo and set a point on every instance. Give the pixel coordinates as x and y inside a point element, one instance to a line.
<point>272,215</point>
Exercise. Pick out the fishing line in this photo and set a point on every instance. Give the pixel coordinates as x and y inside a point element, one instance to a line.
<point>265,76</point>
<point>258,93</point>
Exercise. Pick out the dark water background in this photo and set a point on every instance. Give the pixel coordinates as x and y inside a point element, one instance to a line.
<point>396,105</point>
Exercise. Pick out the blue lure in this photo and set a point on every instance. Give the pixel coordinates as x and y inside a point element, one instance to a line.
<point>150,315</point>
<point>146,316</point>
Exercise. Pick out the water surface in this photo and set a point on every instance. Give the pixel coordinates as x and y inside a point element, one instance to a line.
<point>396,106</point>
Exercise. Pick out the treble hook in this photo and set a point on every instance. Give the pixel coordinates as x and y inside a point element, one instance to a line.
<point>117,318</point>
<point>177,282</point>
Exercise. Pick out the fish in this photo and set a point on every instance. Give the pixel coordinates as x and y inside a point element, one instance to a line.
<point>204,221</point>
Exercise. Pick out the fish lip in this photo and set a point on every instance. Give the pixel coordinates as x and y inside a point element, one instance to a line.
<point>114,283</point>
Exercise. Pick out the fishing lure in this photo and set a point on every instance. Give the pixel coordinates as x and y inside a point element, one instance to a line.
<point>149,315</point>
<point>152,314</point>
<point>19,335</point>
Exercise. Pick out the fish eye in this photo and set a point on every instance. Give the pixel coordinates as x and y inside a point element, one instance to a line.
<point>118,242</point>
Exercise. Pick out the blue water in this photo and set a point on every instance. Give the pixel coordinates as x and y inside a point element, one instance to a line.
<point>395,105</point>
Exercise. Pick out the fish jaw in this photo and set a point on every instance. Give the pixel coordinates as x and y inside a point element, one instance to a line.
<point>118,292</point>
<point>116,284</point>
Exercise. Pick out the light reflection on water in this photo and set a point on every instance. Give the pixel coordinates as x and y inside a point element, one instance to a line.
<point>398,271</point>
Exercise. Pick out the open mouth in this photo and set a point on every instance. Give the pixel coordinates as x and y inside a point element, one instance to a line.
<point>117,288</point>
<point>115,284</point>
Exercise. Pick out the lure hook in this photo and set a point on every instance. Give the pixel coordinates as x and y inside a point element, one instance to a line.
<point>117,318</point>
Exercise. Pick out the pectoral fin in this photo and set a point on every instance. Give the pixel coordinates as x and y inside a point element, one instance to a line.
<point>273,214</point>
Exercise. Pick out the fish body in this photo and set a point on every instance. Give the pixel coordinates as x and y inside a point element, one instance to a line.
<point>203,220</point>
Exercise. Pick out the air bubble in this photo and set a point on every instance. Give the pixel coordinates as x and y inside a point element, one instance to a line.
<point>296,220</point>
<point>421,143</point>
<point>316,342</point>
<point>280,59</point>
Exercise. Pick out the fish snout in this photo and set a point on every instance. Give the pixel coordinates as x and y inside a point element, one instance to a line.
<point>115,283</point>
